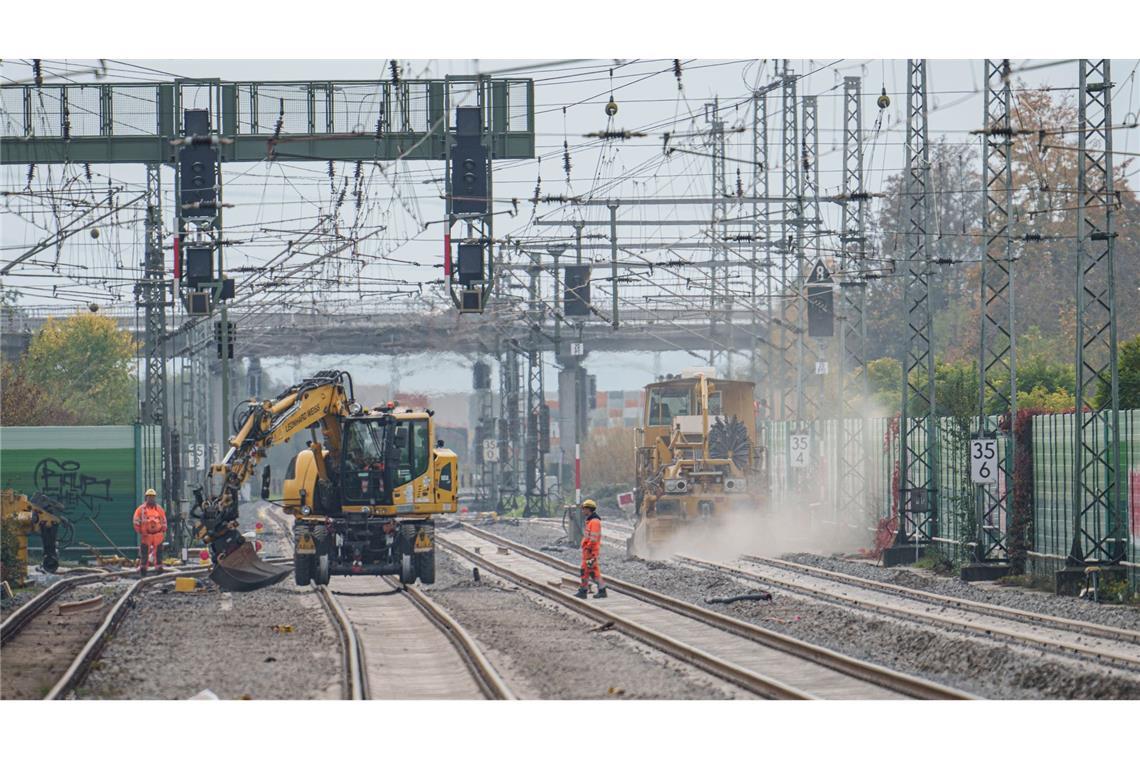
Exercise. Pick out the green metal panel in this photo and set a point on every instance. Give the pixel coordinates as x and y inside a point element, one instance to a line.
<point>93,471</point>
<point>308,134</point>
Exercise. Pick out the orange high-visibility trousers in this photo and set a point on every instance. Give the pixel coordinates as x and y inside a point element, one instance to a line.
<point>591,549</point>
<point>591,570</point>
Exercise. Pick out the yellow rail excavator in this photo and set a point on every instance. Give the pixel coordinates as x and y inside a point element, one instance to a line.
<point>362,494</point>
<point>697,460</point>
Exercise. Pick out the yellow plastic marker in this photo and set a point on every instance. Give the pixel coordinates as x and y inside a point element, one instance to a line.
<point>185,584</point>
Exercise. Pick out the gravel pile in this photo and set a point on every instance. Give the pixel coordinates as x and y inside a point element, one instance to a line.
<point>1023,599</point>
<point>544,651</point>
<point>989,669</point>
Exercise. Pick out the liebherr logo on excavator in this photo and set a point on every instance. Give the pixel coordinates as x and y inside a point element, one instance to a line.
<point>304,416</point>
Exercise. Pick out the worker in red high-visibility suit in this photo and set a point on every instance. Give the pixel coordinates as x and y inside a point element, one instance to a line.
<point>150,524</point>
<point>591,548</point>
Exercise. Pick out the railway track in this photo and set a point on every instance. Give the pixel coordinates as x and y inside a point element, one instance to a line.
<point>766,663</point>
<point>397,643</point>
<point>403,645</point>
<point>1117,647</point>
<point>72,640</point>
<point>1108,645</point>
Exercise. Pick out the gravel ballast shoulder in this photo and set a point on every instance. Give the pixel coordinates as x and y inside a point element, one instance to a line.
<point>545,651</point>
<point>1041,602</point>
<point>173,645</point>
<point>988,669</point>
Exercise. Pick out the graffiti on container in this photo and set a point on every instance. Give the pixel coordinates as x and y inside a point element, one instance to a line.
<point>64,482</point>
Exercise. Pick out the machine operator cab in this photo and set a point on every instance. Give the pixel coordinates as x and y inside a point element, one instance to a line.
<point>387,466</point>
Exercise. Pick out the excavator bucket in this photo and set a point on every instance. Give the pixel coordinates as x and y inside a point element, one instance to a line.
<point>243,570</point>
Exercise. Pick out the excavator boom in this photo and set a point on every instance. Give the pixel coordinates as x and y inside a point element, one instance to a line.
<point>323,400</point>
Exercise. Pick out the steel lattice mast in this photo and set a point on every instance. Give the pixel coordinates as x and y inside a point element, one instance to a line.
<point>789,248</point>
<point>1099,522</point>
<point>853,384</point>
<point>718,230</point>
<point>918,512</point>
<point>997,363</point>
<point>809,406</point>
<point>761,361</point>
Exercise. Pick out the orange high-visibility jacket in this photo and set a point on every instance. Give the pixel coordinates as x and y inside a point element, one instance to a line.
<point>592,536</point>
<point>150,521</point>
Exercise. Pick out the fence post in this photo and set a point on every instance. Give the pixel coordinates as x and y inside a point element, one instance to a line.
<point>1020,533</point>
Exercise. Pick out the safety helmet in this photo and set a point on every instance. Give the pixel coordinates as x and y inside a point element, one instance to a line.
<point>589,504</point>
<point>151,492</point>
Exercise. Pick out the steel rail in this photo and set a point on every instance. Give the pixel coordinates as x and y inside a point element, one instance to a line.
<point>482,671</point>
<point>1013,613</point>
<point>26,612</point>
<point>754,682</point>
<point>964,605</point>
<point>355,675</point>
<point>81,665</point>
<point>869,672</point>
<point>1121,660</point>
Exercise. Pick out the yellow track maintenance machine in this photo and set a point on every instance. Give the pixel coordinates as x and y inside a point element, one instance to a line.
<point>697,460</point>
<point>38,514</point>
<point>362,494</point>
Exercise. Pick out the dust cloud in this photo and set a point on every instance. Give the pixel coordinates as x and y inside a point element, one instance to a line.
<point>767,531</point>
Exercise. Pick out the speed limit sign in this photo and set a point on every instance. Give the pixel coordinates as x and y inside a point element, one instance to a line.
<point>983,459</point>
<point>799,445</point>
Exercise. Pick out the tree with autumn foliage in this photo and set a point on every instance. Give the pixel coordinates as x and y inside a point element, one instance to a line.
<point>1044,161</point>
<point>76,371</point>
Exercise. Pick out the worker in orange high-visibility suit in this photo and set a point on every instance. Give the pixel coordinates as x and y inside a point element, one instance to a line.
<point>591,548</point>
<point>150,524</point>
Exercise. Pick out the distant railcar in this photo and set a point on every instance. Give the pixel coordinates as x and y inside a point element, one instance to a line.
<point>697,458</point>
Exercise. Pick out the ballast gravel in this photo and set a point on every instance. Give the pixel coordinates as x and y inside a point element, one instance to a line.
<point>993,670</point>
<point>544,651</point>
<point>273,643</point>
<point>1041,602</point>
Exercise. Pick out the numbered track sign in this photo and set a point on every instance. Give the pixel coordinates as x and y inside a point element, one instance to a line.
<point>799,444</point>
<point>983,459</point>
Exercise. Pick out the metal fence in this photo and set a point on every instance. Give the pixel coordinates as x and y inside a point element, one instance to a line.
<point>818,485</point>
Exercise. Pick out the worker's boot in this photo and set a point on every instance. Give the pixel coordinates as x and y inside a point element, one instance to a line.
<point>582,593</point>
<point>142,571</point>
<point>601,593</point>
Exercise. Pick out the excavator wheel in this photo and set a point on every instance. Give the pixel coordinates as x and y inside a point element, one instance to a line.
<point>407,556</point>
<point>322,560</point>
<point>425,567</point>
<point>302,568</point>
<point>407,568</point>
<point>322,570</point>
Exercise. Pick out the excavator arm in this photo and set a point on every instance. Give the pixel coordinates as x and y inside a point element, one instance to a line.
<point>324,399</point>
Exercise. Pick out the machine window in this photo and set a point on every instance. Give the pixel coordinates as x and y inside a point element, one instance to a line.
<point>362,446</point>
<point>667,403</point>
<point>413,460</point>
<point>715,404</point>
<point>421,448</point>
<point>445,477</point>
